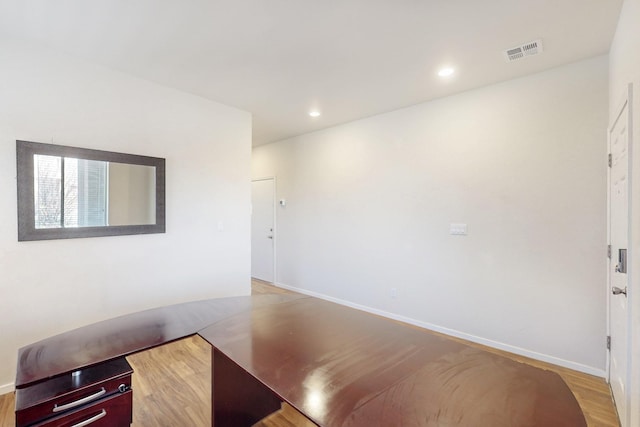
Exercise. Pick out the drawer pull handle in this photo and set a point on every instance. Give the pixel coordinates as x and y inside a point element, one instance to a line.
<point>91,420</point>
<point>79,402</point>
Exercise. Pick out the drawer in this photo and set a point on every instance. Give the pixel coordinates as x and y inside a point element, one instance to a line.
<point>59,395</point>
<point>112,411</point>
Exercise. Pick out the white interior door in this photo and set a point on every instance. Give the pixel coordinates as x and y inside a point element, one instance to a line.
<point>262,229</point>
<point>619,186</point>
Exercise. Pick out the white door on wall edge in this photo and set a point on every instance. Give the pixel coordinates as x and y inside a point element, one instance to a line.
<point>619,283</point>
<point>262,229</point>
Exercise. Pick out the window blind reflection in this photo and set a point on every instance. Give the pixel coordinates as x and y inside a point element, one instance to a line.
<point>85,193</point>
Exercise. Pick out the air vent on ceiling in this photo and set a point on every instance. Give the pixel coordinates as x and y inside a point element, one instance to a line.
<point>526,49</point>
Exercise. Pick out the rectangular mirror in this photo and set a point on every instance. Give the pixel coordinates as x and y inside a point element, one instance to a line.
<point>68,192</point>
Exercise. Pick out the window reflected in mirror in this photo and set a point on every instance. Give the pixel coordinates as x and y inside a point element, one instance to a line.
<point>71,192</point>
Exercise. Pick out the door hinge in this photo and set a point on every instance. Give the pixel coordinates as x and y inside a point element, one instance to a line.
<point>609,342</point>
<point>609,251</point>
<point>610,161</point>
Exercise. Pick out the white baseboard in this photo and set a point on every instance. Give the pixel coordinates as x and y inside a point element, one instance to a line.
<point>7,388</point>
<point>452,332</point>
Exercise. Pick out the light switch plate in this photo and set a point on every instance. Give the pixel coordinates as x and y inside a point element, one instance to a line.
<point>458,229</point>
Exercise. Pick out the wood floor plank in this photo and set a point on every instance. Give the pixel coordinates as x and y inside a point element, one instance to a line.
<point>260,287</point>
<point>7,405</point>
<point>172,384</point>
<point>285,417</point>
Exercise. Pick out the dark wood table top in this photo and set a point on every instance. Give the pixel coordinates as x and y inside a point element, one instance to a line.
<point>344,367</point>
<point>336,365</point>
<point>113,338</point>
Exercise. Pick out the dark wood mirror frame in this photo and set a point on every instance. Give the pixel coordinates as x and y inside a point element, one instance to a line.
<point>25,151</point>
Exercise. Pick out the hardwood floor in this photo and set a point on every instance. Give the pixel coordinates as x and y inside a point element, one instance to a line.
<point>172,385</point>
<point>7,404</point>
<point>259,287</point>
<point>287,416</point>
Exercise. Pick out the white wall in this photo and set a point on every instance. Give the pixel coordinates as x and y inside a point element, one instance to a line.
<point>523,163</point>
<point>48,287</point>
<point>625,69</point>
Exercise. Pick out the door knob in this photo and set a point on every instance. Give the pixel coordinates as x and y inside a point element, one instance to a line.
<point>269,237</point>
<point>617,291</point>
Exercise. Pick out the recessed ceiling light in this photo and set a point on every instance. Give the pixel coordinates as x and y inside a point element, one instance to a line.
<point>314,113</point>
<point>446,72</point>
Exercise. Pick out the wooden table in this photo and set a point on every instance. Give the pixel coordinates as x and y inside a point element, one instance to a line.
<point>336,365</point>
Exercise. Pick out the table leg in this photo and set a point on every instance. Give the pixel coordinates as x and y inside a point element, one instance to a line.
<point>238,398</point>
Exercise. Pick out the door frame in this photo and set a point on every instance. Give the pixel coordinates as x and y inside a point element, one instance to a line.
<point>275,221</point>
<point>625,102</point>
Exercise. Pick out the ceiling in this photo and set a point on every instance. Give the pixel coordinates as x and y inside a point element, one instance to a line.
<point>349,59</point>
